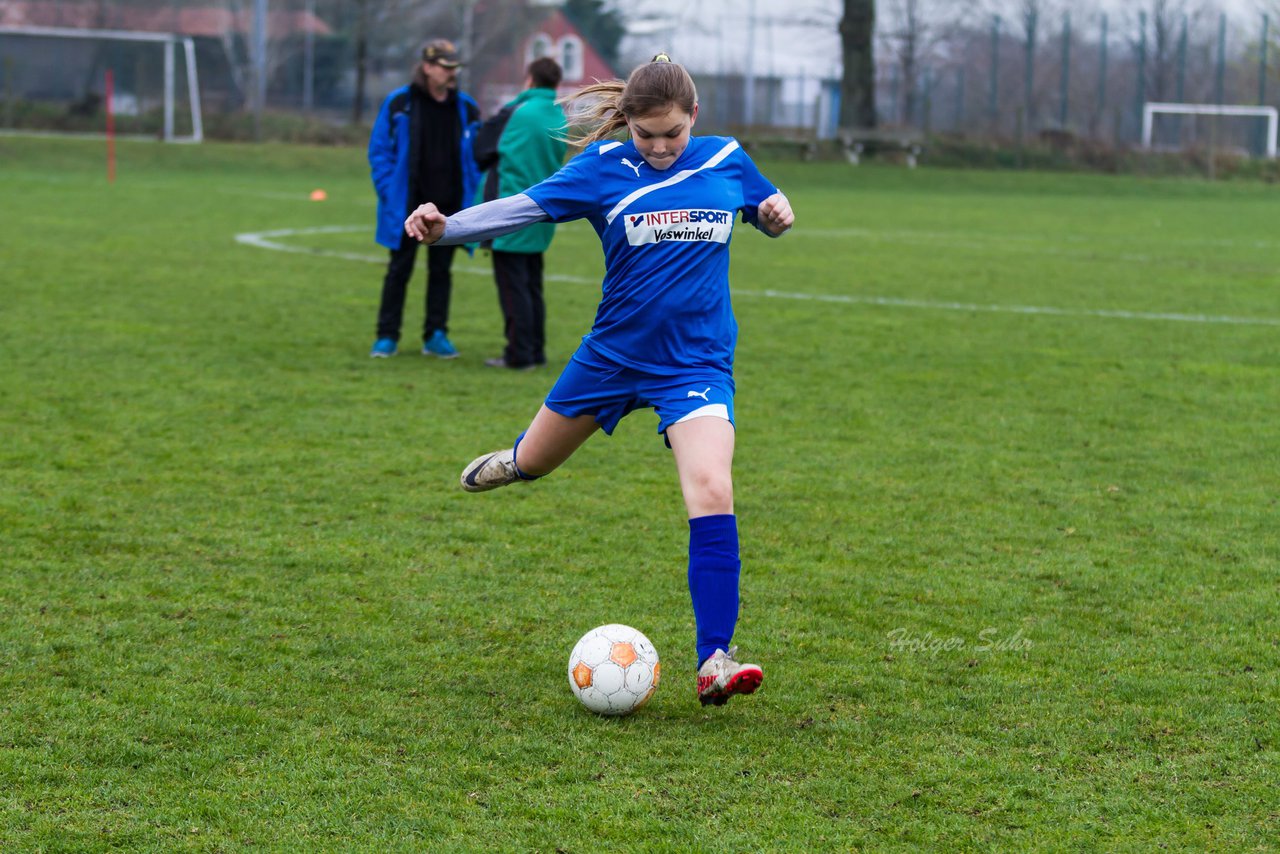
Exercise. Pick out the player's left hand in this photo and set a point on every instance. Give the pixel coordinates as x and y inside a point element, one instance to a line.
<point>774,214</point>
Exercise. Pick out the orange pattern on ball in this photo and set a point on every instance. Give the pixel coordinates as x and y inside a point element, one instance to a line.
<point>622,654</point>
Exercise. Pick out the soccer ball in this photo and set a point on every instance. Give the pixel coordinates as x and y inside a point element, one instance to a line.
<point>614,670</point>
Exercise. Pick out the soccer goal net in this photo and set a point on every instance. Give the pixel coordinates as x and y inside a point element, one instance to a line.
<point>1178,126</point>
<point>54,78</point>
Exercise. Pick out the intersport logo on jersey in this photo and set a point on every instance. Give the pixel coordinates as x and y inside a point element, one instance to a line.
<point>681,225</point>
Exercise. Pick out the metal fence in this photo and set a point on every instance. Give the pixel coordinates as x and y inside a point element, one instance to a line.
<point>1086,74</point>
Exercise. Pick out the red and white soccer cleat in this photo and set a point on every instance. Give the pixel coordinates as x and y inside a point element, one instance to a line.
<point>721,676</point>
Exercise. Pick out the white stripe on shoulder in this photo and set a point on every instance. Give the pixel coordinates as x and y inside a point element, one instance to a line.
<point>730,147</point>
<point>607,147</point>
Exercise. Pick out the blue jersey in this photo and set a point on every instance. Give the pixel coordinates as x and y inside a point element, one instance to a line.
<point>665,235</point>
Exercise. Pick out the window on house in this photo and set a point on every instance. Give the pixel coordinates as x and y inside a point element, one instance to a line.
<point>571,57</point>
<point>539,46</point>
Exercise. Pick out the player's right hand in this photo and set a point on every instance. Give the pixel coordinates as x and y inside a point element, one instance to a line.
<point>425,224</point>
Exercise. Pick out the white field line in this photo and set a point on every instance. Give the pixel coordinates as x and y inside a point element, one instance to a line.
<point>1016,309</point>
<point>1086,246</point>
<point>268,240</point>
<point>922,235</point>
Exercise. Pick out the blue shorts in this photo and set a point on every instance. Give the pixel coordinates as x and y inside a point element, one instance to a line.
<point>591,386</point>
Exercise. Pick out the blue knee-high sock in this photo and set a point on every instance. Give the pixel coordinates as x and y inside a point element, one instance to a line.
<point>515,449</point>
<point>713,580</point>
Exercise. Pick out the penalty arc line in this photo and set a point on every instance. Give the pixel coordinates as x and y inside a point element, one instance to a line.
<point>268,240</point>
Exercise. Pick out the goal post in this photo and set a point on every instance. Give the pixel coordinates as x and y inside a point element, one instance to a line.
<point>169,43</point>
<point>1152,108</point>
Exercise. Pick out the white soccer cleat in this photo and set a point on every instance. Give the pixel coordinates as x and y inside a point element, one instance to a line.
<point>721,676</point>
<point>490,471</point>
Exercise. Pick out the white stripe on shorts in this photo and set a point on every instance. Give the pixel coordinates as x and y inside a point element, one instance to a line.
<point>717,410</point>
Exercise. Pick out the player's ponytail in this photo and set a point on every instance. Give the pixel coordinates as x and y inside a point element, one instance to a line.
<point>652,88</point>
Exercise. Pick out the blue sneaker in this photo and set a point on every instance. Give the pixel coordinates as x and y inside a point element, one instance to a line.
<point>439,345</point>
<point>383,348</point>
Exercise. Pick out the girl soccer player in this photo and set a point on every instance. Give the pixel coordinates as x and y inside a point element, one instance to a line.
<point>664,204</point>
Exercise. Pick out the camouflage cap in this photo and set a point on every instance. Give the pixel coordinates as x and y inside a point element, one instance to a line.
<point>441,52</point>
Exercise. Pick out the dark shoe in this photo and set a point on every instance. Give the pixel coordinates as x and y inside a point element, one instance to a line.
<point>501,362</point>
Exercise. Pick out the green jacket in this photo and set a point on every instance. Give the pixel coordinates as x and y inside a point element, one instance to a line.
<point>530,148</point>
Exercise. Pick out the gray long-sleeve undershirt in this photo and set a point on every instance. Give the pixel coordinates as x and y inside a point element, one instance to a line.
<point>502,216</point>
<point>491,219</point>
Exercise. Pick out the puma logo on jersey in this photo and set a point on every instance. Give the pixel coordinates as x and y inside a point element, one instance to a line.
<point>702,394</point>
<point>630,165</point>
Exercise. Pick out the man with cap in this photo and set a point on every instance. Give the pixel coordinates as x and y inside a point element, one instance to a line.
<point>420,151</point>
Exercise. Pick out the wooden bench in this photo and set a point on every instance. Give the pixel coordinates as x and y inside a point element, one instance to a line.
<point>855,143</point>
<point>806,148</point>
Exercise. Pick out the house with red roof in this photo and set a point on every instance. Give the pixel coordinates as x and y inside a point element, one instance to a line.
<point>553,35</point>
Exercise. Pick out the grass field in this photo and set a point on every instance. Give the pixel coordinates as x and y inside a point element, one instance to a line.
<point>1006,477</point>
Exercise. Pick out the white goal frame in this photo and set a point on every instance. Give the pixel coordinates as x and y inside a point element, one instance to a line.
<point>170,42</point>
<point>1150,109</point>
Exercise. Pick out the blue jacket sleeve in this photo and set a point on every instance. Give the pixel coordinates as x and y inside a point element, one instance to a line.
<point>382,151</point>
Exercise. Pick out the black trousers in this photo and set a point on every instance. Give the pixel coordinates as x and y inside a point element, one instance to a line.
<point>524,314</point>
<point>396,283</point>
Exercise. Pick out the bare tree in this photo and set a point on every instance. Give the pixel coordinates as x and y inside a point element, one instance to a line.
<point>1162,28</point>
<point>907,32</point>
<point>237,39</point>
<point>1029,16</point>
<point>1169,19</point>
<point>858,83</point>
<point>361,59</point>
<point>235,48</point>
<point>915,34</point>
<point>495,31</point>
<point>1272,9</point>
<point>396,28</point>
<point>393,31</point>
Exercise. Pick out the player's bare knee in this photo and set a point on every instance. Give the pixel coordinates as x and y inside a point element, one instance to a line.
<point>711,491</point>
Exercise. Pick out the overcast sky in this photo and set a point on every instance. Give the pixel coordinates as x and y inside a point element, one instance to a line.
<point>799,38</point>
<point>717,35</point>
